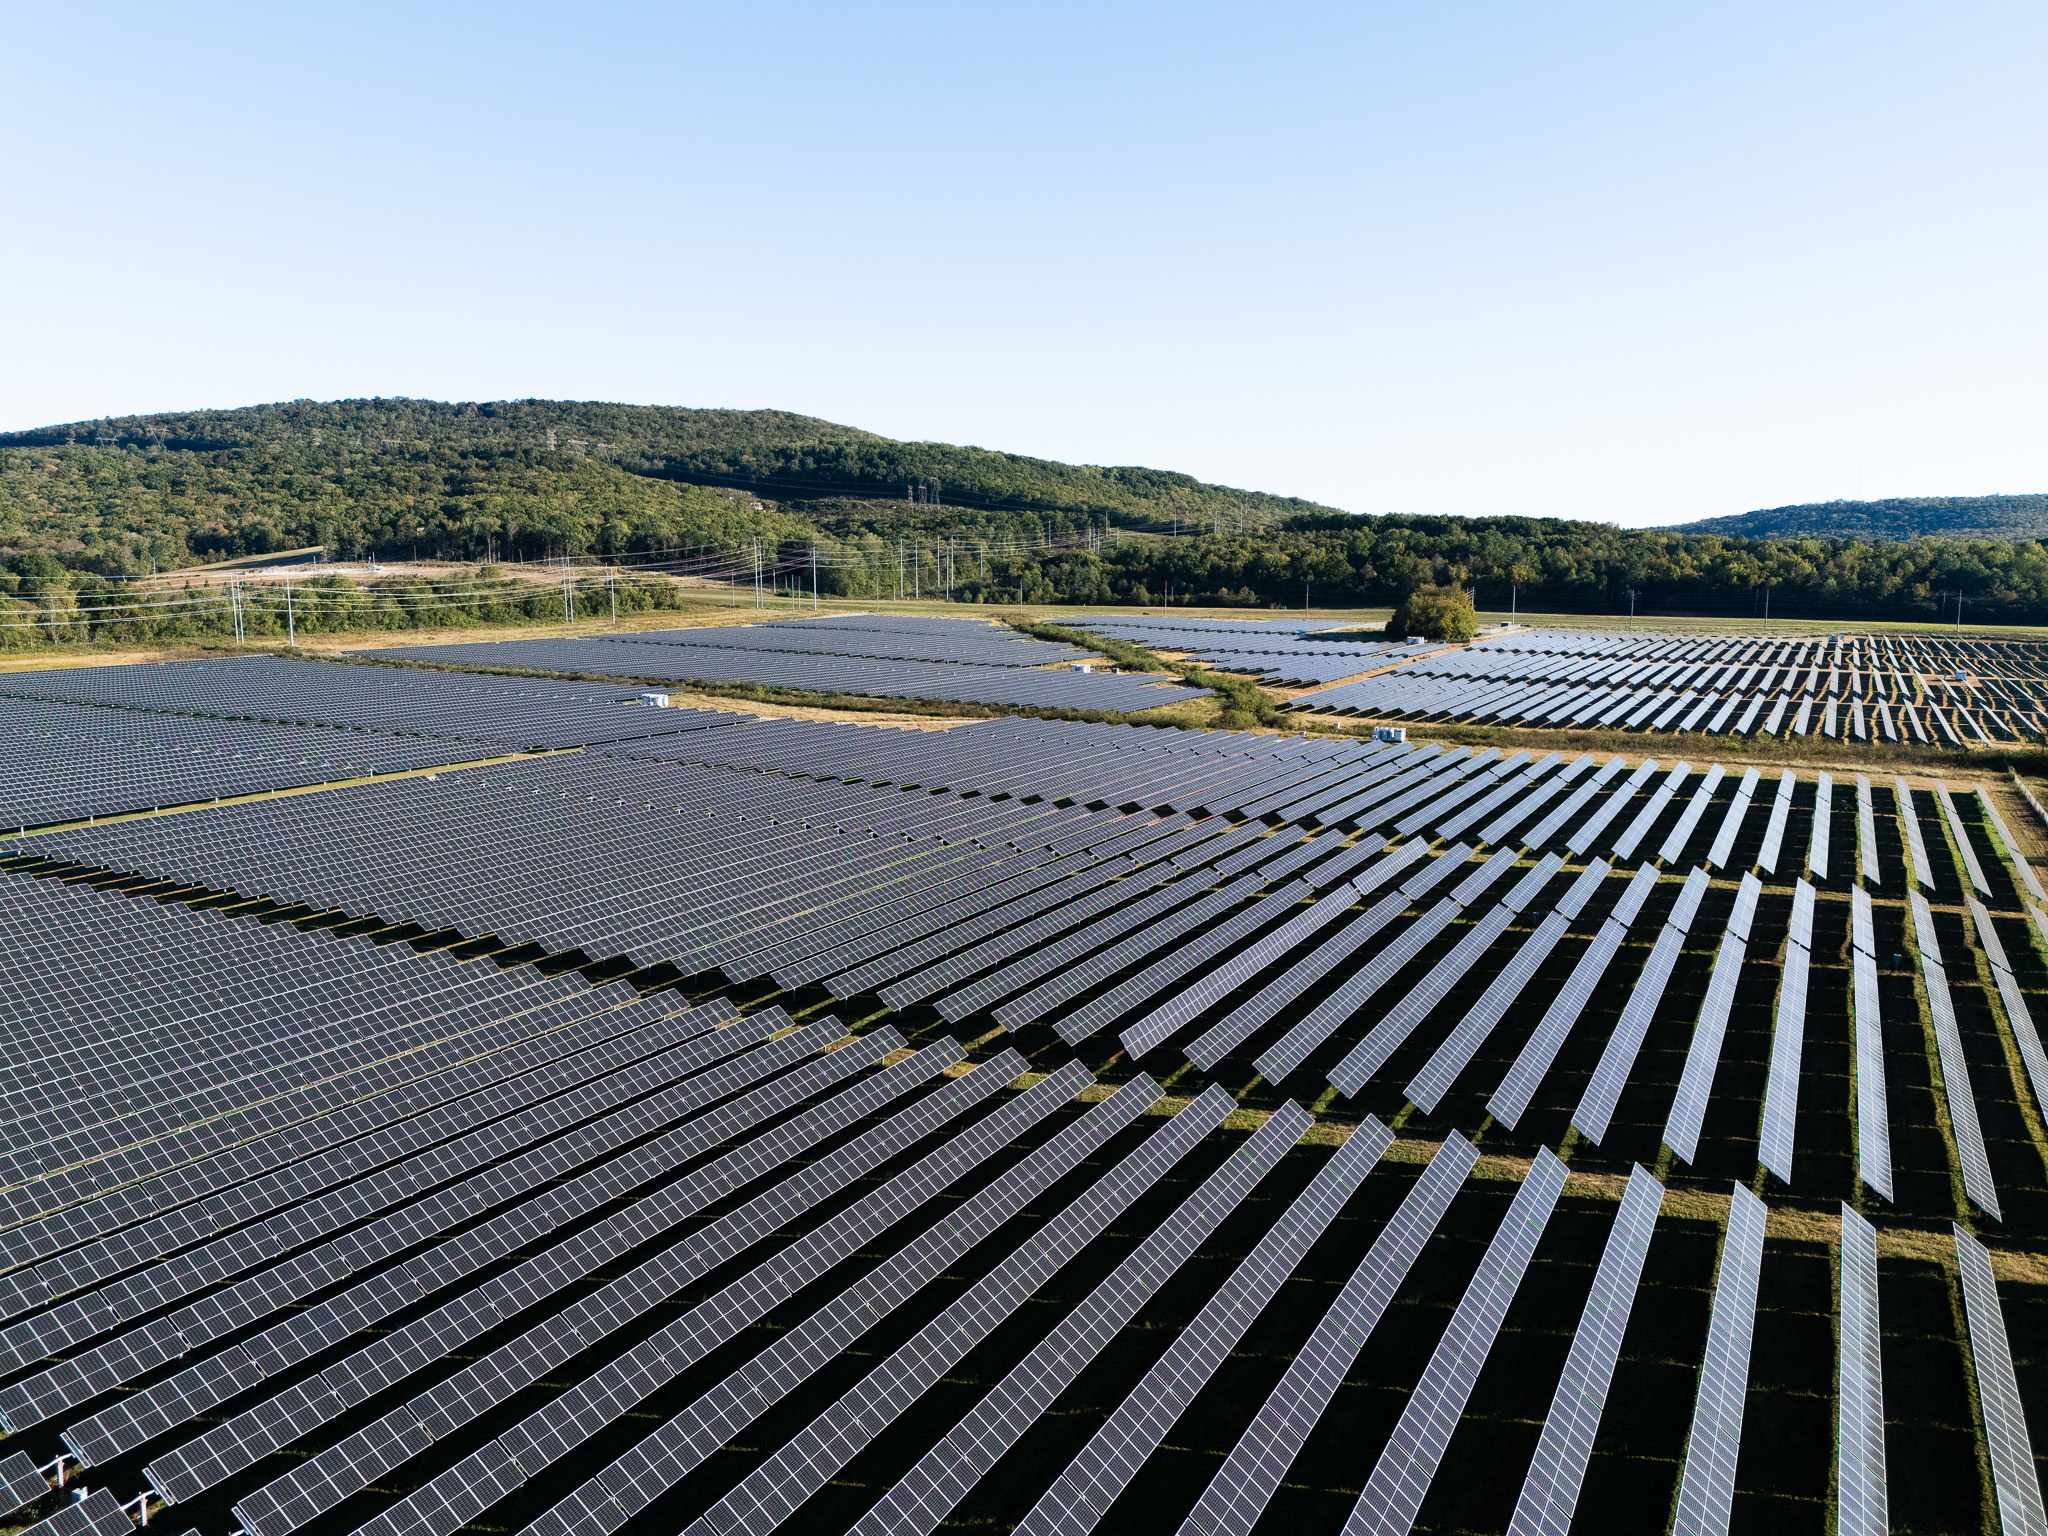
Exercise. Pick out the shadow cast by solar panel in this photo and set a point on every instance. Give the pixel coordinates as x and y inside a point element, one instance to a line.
<point>1480,1479</point>
<point>1936,1482</point>
<point>1924,1180</point>
<point>213,1503</point>
<point>1323,1484</point>
<point>1782,1476</point>
<point>1027,1468</point>
<point>876,1469</point>
<point>707,1482</point>
<point>2014,1151</point>
<point>1167,1486</point>
<point>1633,1473</point>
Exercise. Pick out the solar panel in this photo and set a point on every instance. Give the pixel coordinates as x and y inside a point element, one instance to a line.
<point>1872,1113</point>
<point>2012,849</point>
<point>1540,834</point>
<point>2017,1013</point>
<point>1086,965</point>
<point>1861,1494</point>
<point>97,1514</point>
<point>2013,1475</point>
<point>1774,829</point>
<point>1689,818</point>
<point>1703,1056</point>
<point>1817,846</point>
<point>1866,831</point>
<point>1957,1091</point>
<point>1788,1038</point>
<point>1394,1492</point>
<point>1550,1492</point>
<point>1219,982</point>
<point>1240,1490</point>
<point>1084,1492</point>
<point>1114,1005</point>
<point>1428,1086</point>
<point>1625,845</point>
<point>1922,872</point>
<point>1706,1488</point>
<point>1731,822</point>
<point>1964,849</point>
<point>1384,1038</point>
<point>1511,1100</point>
<point>1603,1091</point>
<point>1293,1048</point>
<point>20,1482</point>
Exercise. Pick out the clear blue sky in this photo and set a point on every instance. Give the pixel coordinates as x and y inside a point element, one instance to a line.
<point>1633,262</point>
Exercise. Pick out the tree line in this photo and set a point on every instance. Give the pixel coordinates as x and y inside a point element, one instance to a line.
<point>535,480</point>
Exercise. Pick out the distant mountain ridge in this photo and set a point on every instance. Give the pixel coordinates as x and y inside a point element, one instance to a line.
<point>774,454</point>
<point>1896,519</point>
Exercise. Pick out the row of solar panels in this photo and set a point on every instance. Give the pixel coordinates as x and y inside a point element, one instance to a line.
<point>456,1348</point>
<point>965,641</point>
<point>66,762</point>
<point>520,713</point>
<point>630,657</point>
<point>1838,674</point>
<point>1398,696</point>
<point>71,762</point>
<point>717,892</point>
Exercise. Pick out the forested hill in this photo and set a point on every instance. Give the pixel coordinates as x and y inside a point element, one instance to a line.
<point>1897,517</point>
<point>361,472</point>
<point>85,505</point>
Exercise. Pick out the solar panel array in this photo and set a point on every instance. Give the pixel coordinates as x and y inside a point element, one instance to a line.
<point>1289,653</point>
<point>1092,878</point>
<point>1856,687</point>
<point>1788,1041</point>
<point>972,642</point>
<point>629,656</point>
<point>521,714</point>
<point>1703,1055</point>
<point>73,762</point>
<point>491,1218</point>
<point>303,1229</point>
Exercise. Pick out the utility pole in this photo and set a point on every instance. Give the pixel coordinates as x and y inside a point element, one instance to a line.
<point>1304,602</point>
<point>1959,613</point>
<point>814,575</point>
<point>291,632</point>
<point>1631,611</point>
<point>611,582</point>
<point>916,572</point>
<point>235,602</point>
<point>899,570</point>
<point>1767,609</point>
<point>568,603</point>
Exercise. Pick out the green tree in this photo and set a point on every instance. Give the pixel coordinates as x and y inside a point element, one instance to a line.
<point>1435,613</point>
